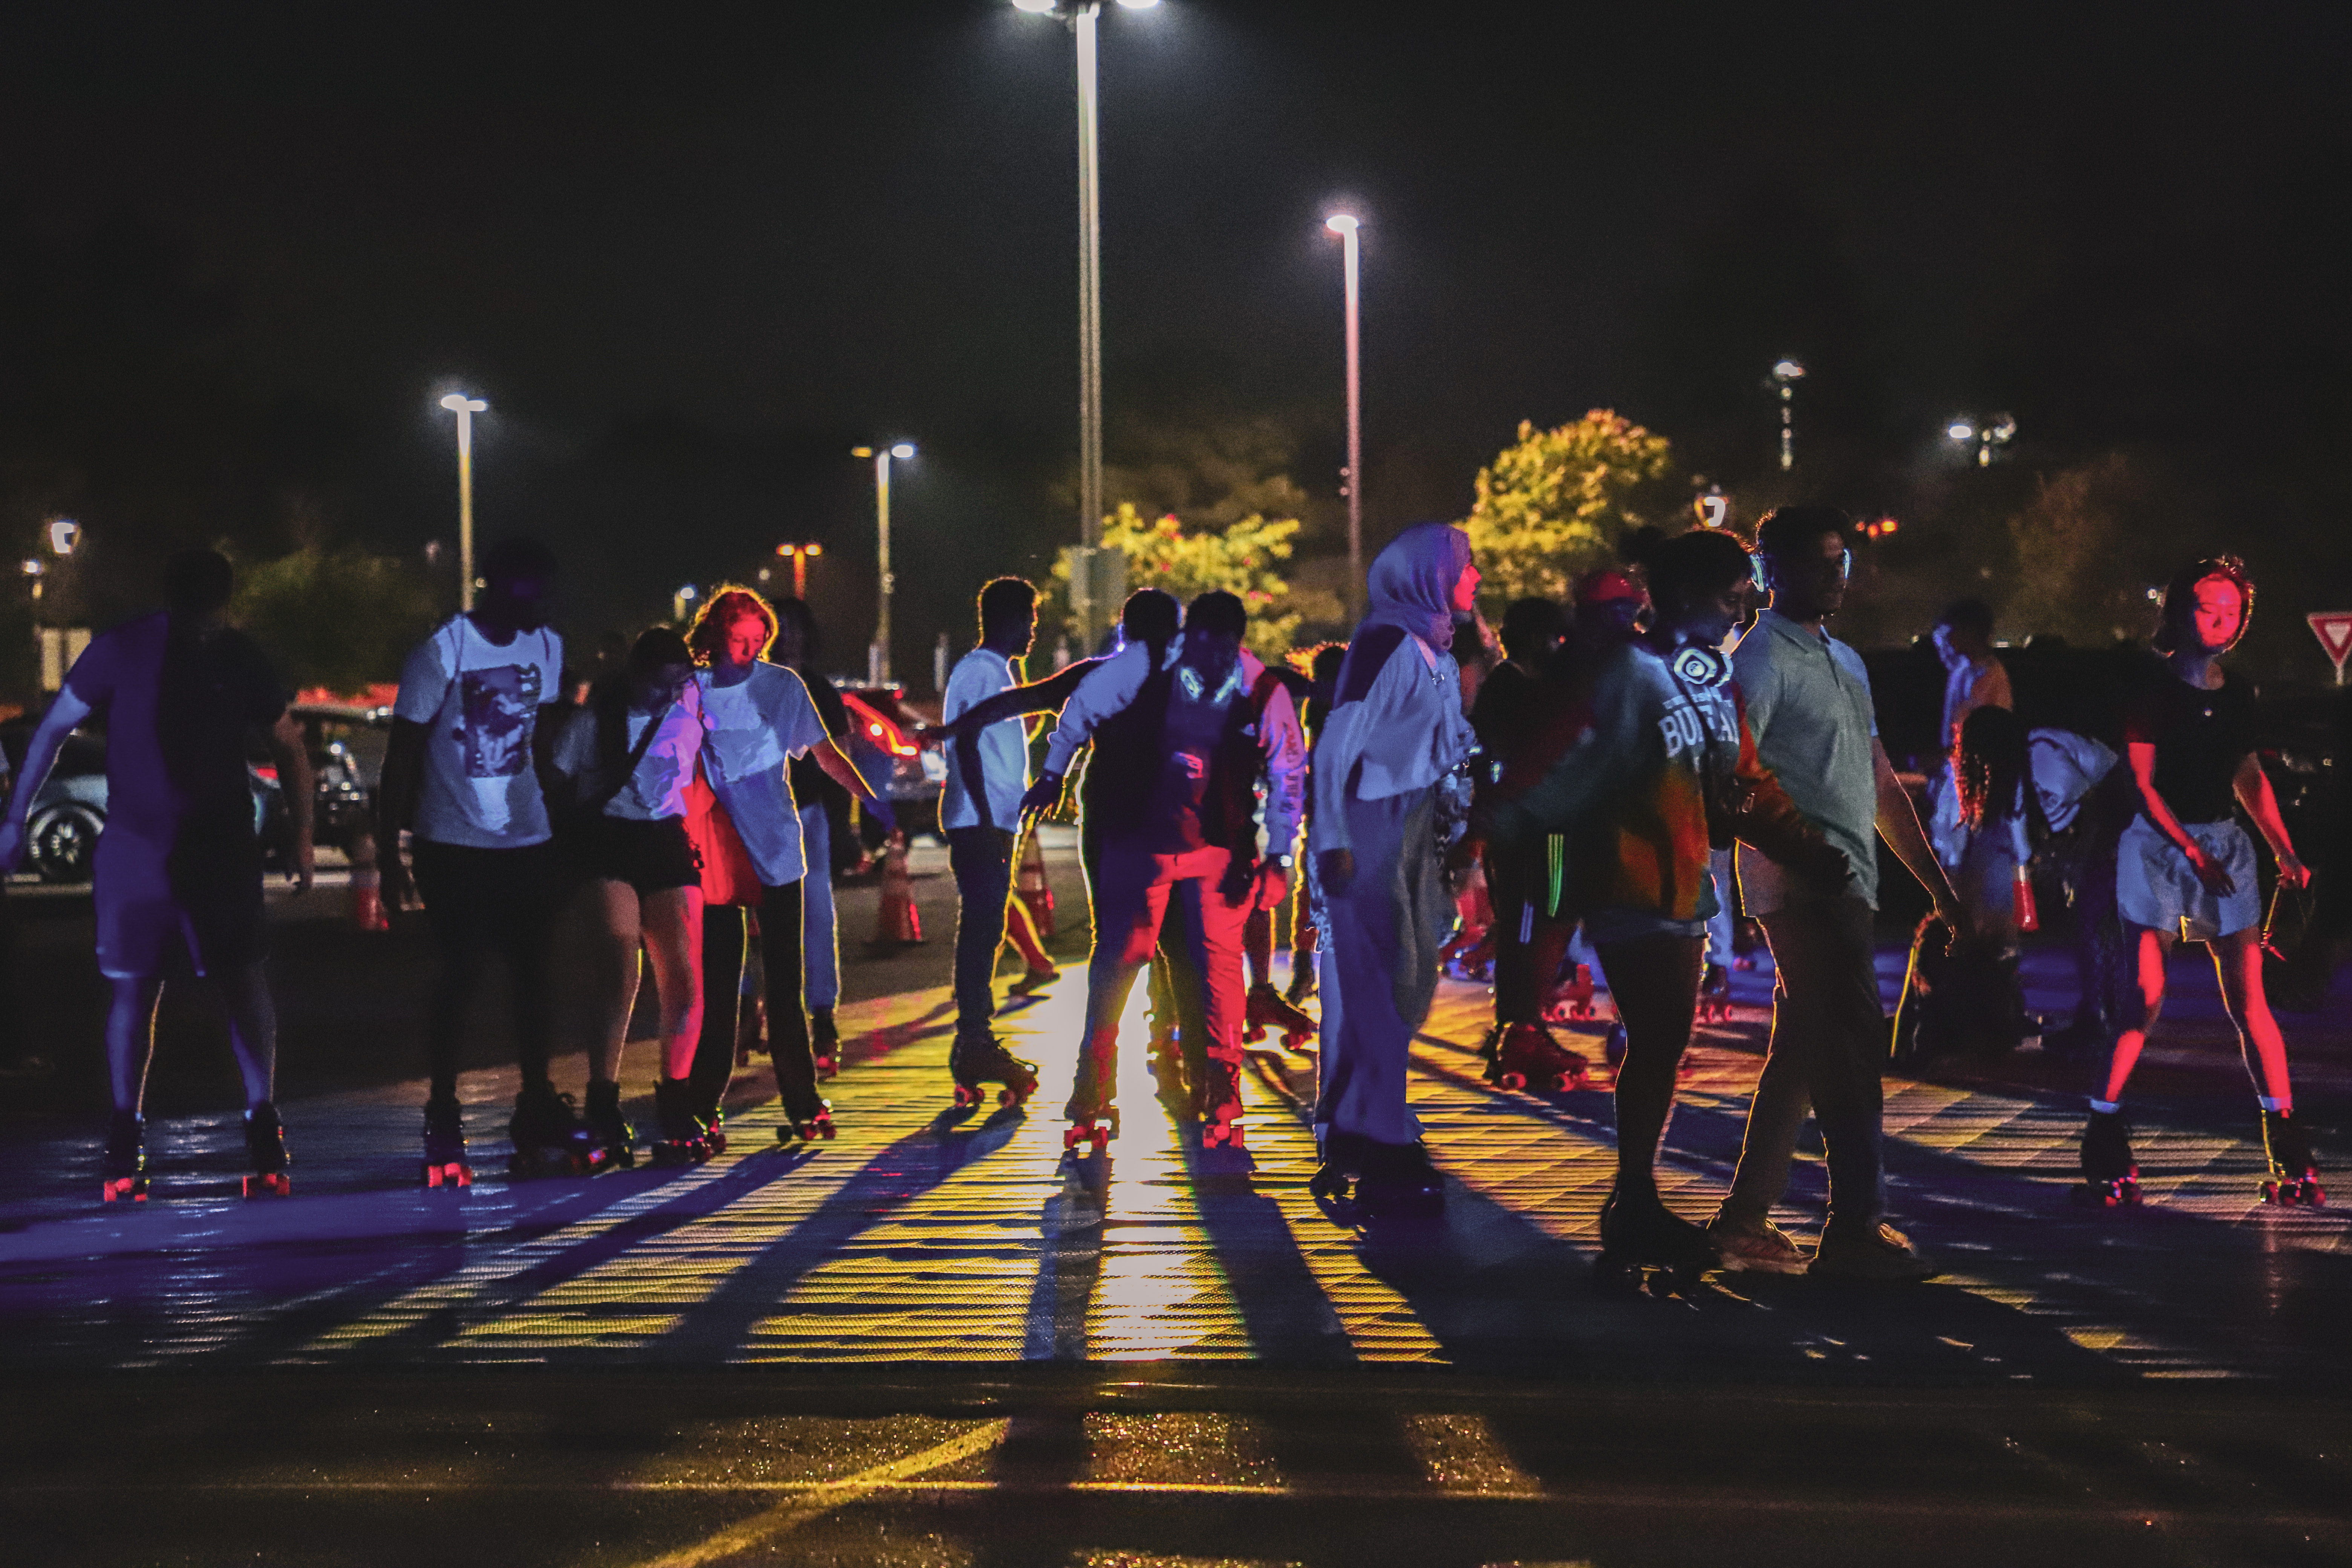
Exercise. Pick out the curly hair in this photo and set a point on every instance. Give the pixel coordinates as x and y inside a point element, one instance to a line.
<point>727,603</point>
<point>2172,629</point>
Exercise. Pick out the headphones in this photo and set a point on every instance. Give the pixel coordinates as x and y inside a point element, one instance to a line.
<point>1694,664</point>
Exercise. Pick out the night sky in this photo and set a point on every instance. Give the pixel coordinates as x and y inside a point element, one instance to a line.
<point>691,254</point>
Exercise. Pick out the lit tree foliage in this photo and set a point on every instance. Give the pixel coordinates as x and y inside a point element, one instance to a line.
<point>342,620</point>
<point>1239,558</point>
<point>1558,503</point>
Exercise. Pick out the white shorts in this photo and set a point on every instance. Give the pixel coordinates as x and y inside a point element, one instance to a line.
<point>2157,887</point>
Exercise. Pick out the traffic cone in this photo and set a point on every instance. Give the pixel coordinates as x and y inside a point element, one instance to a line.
<point>896,923</point>
<point>1034,891</point>
<point>367,885</point>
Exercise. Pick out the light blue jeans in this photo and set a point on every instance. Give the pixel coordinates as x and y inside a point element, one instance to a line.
<point>820,931</point>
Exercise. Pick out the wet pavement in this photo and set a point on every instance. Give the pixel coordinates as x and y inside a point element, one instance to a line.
<point>935,1339</point>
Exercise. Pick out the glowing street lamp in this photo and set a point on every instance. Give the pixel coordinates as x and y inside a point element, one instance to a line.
<point>1346,226</point>
<point>465,408</point>
<point>877,657</point>
<point>801,555</point>
<point>1997,431</point>
<point>1083,17</point>
<point>1785,376</point>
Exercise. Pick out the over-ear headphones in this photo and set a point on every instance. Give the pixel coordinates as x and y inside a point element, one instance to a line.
<point>1699,665</point>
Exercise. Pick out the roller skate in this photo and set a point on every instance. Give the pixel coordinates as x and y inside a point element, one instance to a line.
<point>824,1042</point>
<point>684,1138</point>
<point>806,1122</point>
<point>2294,1175</point>
<point>123,1168</point>
<point>445,1145</point>
<point>549,1139</point>
<point>1571,999</point>
<point>265,1145</point>
<point>1645,1244</point>
<point>1528,1058</point>
<point>1301,989</point>
<point>1266,1009</point>
<point>1715,996</point>
<point>1092,1118</point>
<point>2110,1178</point>
<point>1399,1182</point>
<point>610,1134</point>
<point>976,1059</point>
<point>1219,1103</point>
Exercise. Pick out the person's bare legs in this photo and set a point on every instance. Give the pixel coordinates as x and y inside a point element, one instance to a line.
<point>2238,962</point>
<point>2153,948</point>
<point>671,922</point>
<point>130,1037</point>
<point>610,934</point>
<point>253,1030</point>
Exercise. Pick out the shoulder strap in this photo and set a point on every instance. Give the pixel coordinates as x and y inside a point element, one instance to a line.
<point>595,803</point>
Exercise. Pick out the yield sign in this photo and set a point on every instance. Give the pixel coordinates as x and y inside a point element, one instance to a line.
<point>2334,629</point>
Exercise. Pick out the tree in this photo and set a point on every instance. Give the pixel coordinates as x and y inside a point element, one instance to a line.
<point>2089,543</point>
<point>342,620</point>
<point>1238,558</point>
<point>1558,502</point>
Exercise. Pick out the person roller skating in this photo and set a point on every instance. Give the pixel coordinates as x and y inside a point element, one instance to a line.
<point>807,1118</point>
<point>824,1042</point>
<point>123,1167</point>
<point>445,1145</point>
<point>684,1138</point>
<point>264,1146</point>
<point>974,1063</point>
<point>2110,1175</point>
<point>2185,870</point>
<point>1528,1057</point>
<point>609,1131</point>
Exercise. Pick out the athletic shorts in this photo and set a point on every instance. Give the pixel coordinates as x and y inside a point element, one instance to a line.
<point>144,923</point>
<point>650,856</point>
<point>2156,887</point>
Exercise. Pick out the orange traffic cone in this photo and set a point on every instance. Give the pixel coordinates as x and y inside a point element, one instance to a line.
<point>897,924</point>
<point>1034,891</point>
<point>367,885</point>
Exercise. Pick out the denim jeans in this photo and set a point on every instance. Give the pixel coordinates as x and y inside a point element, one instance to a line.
<point>1829,1045</point>
<point>820,933</point>
<point>981,860</point>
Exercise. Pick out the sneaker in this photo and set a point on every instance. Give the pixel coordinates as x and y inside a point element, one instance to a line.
<point>1757,1246</point>
<point>1881,1253</point>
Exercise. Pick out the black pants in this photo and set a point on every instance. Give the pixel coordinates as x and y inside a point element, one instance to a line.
<point>1524,971</point>
<point>480,901</point>
<point>1653,980</point>
<point>726,949</point>
<point>981,860</point>
<point>1829,1045</point>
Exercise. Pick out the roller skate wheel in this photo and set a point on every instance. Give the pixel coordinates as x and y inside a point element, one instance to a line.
<point>1513,1081</point>
<point>966,1095</point>
<point>276,1184</point>
<point>448,1174</point>
<point>825,1128</point>
<point>1327,1183</point>
<point>1073,1137</point>
<point>1011,1096</point>
<point>828,1066</point>
<point>1254,1034</point>
<point>122,1188</point>
<point>1101,1139</point>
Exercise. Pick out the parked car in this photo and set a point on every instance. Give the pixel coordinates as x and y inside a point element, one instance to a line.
<point>62,831</point>
<point>346,743</point>
<point>895,732</point>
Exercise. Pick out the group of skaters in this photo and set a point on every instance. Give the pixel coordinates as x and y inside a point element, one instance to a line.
<point>1685,732</point>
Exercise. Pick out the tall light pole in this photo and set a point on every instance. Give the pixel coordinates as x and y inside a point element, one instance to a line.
<point>801,555</point>
<point>1084,17</point>
<point>1785,376</point>
<point>465,408</point>
<point>1345,225</point>
<point>877,658</point>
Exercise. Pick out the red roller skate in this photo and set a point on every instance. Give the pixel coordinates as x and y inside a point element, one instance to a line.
<point>684,1138</point>
<point>2294,1175</point>
<point>444,1146</point>
<point>824,1042</point>
<point>976,1059</point>
<point>123,1168</point>
<point>1094,1120</point>
<point>1221,1106</point>
<point>265,1144</point>
<point>1571,999</point>
<point>1267,1010</point>
<point>2110,1175</point>
<point>1715,996</point>
<point>1529,1059</point>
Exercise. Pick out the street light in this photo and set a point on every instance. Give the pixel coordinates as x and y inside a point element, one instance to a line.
<point>64,535</point>
<point>1345,225</point>
<point>465,408</point>
<point>1083,17</point>
<point>1996,432</point>
<point>801,555</point>
<point>877,657</point>
<point>1785,376</point>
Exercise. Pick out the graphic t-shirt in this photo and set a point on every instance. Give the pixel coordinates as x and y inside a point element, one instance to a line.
<point>658,788</point>
<point>177,714</point>
<point>750,729</point>
<point>2200,737</point>
<point>480,703</point>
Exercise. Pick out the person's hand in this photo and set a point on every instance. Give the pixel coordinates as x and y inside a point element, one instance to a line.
<point>1338,870</point>
<point>1043,798</point>
<point>399,887</point>
<point>1273,885</point>
<point>11,845</point>
<point>2211,872</point>
<point>302,871</point>
<point>2291,870</point>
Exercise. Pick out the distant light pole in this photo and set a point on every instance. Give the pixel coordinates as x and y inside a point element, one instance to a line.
<point>1084,17</point>
<point>1345,225</point>
<point>1992,433</point>
<point>1785,376</point>
<point>465,408</point>
<point>877,658</point>
<point>800,554</point>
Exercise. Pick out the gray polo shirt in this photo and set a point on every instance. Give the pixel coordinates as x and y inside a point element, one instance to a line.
<point>1809,707</point>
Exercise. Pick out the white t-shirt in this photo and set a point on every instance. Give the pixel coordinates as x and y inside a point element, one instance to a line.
<point>480,703</point>
<point>1002,747</point>
<point>750,730</point>
<point>658,788</point>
